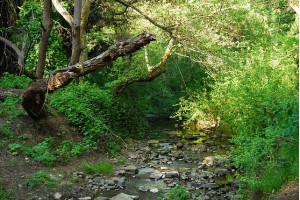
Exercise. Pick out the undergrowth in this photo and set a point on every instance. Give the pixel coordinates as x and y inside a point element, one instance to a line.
<point>99,168</point>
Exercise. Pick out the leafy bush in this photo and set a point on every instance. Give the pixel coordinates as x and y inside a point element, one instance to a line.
<point>67,149</point>
<point>41,178</point>
<point>176,193</point>
<point>14,147</point>
<point>42,152</point>
<point>99,115</point>
<point>257,97</point>
<point>13,81</point>
<point>100,168</point>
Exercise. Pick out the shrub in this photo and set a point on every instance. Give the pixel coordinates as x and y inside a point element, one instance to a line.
<point>176,193</point>
<point>100,168</point>
<point>41,178</point>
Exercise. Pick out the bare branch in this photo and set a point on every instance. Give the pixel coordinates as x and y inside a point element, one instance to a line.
<point>64,13</point>
<point>294,7</point>
<point>11,45</point>
<point>167,29</point>
<point>153,72</point>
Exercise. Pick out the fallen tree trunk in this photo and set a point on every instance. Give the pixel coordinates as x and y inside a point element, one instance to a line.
<point>33,97</point>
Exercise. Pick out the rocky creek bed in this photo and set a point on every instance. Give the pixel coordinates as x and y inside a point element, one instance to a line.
<point>192,159</point>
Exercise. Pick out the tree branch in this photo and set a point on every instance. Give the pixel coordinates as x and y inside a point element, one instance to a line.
<point>11,45</point>
<point>64,13</point>
<point>294,7</point>
<point>153,71</point>
<point>167,29</point>
<point>63,77</point>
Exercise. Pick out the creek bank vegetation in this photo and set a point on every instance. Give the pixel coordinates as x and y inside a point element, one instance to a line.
<point>233,64</point>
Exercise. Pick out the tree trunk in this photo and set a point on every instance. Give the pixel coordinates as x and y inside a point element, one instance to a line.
<point>34,96</point>
<point>76,43</point>
<point>47,24</point>
<point>84,19</point>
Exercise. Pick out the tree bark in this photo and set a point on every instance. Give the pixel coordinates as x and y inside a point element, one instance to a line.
<point>86,5</point>
<point>34,96</point>
<point>153,71</point>
<point>47,24</point>
<point>76,43</point>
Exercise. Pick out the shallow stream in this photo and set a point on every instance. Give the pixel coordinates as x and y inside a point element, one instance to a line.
<point>172,155</point>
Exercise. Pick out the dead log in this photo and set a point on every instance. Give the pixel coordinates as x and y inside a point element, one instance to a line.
<point>34,96</point>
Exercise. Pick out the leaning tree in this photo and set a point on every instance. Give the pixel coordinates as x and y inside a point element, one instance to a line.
<point>34,96</point>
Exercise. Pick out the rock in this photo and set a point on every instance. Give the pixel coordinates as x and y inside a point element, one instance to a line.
<point>235,184</point>
<point>57,195</point>
<point>79,174</point>
<point>101,198</point>
<point>145,149</point>
<point>154,190</point>
<point>221,171</point>
<point>130,169</point>
<point>143,188</point>
<point>121,172</point>
<point>206,175</point>
<point>156,175</point>
<point>205,197</point>
<point>179,145</point>
<point>202,166</point>
<point>184,176</point>
<point>153,143</point>
<point>110,182</point>
<point>15,153</point>
<point>120,181</point>
<point>177,154</point>
<point>198,147</point>
<point>209,161</point>
<point>133,155</point>
<point>171,184</point>
<point>122,196</point>
<point>172,174</point>
<point>210,186</point>
<point>85,198</point>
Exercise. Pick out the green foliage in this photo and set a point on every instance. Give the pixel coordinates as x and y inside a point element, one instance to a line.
<point>29,20</point>
<point>13,81</point>
<point>67,149</point>
<point>176,193</point>
<point>41,178</point>
<point>99,168</point>
<point>49,151</point>
<point>256,95</point>
<point>9,109</point>
<point>84,105</point>
<point>4,195</point>
<point>42,152</point>
<point>14,147</point>
<point>98,113</point>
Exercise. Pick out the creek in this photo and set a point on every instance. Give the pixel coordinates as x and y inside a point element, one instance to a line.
<point>170,156</point>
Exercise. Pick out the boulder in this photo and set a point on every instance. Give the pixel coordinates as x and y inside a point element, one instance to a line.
<point>122,196</point>
<point>156,175</point>
<point>130,169</point>
<point>210,186</point>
